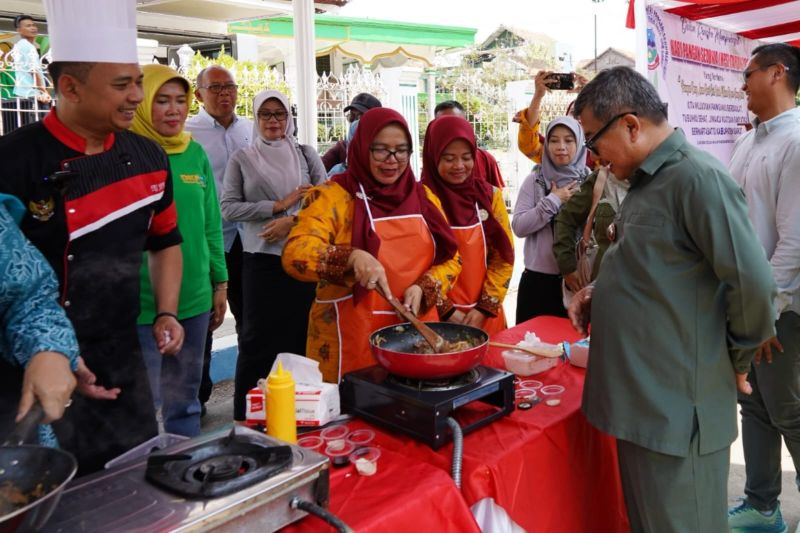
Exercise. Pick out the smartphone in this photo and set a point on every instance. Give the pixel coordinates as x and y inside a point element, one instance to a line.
<point>561,81</point>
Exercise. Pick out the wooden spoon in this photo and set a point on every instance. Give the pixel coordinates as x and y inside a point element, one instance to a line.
<point>556,351</point>
<point>436,341</point>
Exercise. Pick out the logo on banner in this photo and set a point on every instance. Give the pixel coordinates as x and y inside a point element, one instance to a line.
<point>652,51</point>
<point>657,51</point>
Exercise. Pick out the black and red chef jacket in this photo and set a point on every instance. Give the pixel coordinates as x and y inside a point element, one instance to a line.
<point>91,216</point>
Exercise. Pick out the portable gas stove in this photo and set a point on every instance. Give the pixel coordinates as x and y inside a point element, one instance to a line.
<point>228,480</point>
<point>421,408</point>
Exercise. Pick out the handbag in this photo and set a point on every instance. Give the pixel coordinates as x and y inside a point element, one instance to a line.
<point>586,249</point>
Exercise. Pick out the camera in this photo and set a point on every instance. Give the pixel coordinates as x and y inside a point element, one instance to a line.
<point>561,81</point>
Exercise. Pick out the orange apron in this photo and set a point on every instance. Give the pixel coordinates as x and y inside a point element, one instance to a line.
<point>406,253</point>
<point>469,285</point>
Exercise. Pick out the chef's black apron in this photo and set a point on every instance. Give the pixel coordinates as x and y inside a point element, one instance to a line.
<point>91,217</point>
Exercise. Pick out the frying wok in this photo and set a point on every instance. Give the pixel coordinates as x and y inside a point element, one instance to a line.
<point>31,470</point>
<point>394,346</point>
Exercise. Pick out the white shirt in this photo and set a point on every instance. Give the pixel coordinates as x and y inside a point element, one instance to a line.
<point>220,143</point>
<point>766,164</point>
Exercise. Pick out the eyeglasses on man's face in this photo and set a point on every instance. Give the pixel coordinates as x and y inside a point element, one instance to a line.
<point>381,154</point>
<point>590,143</point>
<point>747,73</point>
<point>217,88</point>
<point>280,116</point>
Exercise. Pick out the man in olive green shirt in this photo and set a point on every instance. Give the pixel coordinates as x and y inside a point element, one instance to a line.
<point>679,308</point>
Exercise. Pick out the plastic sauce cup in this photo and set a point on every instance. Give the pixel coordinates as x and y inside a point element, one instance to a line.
<point>361,437</point>
<point>311,442</point>
<point>530,384</point>
<point>366,460</point>
<point>335,436</point>
<point>340,456</point>
<point>551,394</point>
<point>524,395</point>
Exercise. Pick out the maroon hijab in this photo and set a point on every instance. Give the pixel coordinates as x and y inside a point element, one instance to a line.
<point>459,200</point>
<point>403,197</point>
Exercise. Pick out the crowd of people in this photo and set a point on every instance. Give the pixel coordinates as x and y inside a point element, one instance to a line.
<point>128,228</point>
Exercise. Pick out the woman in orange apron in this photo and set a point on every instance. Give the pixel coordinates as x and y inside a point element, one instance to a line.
<point>478,217</point>
<point>373,225</point>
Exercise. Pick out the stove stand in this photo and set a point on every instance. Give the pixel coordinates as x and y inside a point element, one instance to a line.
<point>122,499</point>
<point>420,408</point>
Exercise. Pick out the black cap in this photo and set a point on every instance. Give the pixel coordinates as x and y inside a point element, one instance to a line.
<point>362,102</point>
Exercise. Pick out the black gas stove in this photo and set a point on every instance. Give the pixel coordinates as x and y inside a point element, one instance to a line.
<point>420,408</point>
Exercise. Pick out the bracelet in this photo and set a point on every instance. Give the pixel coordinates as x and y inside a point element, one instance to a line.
<point>164,313</point>
<point>221,286</point>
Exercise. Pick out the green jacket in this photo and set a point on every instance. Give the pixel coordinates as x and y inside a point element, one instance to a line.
<point>683,300</point>
<point>569,226</point>
<point>200,224</point>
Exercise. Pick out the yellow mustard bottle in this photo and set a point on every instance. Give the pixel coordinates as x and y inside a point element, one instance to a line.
<point>281,418</point>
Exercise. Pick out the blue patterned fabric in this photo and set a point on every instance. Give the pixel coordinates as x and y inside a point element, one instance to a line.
<point>31,320</point>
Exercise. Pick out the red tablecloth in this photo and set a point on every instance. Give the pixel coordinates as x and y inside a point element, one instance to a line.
<point>547,467</point>
<point>404,495</point>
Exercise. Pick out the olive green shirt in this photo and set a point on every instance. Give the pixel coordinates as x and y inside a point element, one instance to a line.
<point>683,300</point>
<point>569,226</point>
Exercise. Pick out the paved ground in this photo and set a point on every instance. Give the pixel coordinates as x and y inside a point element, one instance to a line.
<point>220,412</point>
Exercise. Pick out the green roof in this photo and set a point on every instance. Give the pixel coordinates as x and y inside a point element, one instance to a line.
<point>335,28</point>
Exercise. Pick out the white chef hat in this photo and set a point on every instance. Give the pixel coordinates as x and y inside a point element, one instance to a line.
<point>92,30</point>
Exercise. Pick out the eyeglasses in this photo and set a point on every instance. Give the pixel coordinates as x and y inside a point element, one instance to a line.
<point>380,155</point>
<point>217,88</point>
<point>589,143</point>
<point>747,73</point>
<point>280,116</point>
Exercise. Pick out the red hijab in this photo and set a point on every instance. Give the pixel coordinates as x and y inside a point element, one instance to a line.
<point>459,200</point>
<point>403,197</point>
<point>486,169</point>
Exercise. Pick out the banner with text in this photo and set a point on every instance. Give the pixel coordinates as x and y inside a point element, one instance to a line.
<point>697,70</point>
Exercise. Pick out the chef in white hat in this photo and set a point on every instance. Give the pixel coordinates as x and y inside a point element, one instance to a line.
<point>96,196</point>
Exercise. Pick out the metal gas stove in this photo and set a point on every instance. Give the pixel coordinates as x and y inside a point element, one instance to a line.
<point>420,408</point>
<point>228,480</point>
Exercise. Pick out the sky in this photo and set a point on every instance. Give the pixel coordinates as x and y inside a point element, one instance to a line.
<point>570,21</point>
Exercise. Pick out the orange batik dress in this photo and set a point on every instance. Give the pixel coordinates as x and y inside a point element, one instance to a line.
<point>318,248</point>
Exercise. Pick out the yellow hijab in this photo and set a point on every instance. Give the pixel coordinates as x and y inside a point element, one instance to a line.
<point>154,77</point>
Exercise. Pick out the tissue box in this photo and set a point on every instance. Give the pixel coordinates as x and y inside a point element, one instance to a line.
<point>315,405</point>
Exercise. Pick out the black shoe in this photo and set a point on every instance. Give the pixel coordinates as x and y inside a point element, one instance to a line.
<point>203,410</point>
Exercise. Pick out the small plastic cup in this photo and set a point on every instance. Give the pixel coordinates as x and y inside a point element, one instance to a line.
<point>366,460</point>
<point>524,395</point>
<point>340,456</point>
<point>532,384</point>
<point>335,437</point>
<point>312,442</point>
<point>551,394</point>
<point>361,437</point>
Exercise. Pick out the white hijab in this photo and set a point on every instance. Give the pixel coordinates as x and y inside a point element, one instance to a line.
<point>278,161</point>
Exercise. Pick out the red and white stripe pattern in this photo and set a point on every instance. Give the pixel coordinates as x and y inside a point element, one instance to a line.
<point>772,21</point>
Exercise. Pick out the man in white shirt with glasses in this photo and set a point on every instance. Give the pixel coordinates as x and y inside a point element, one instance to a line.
<point>221,132</point>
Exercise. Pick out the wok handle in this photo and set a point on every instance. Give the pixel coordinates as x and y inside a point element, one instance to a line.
<point>436,341</point>
<point>25,427</point>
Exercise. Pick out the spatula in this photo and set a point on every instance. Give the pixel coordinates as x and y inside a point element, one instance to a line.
<point>541,351</point>
<point>436,341</point>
